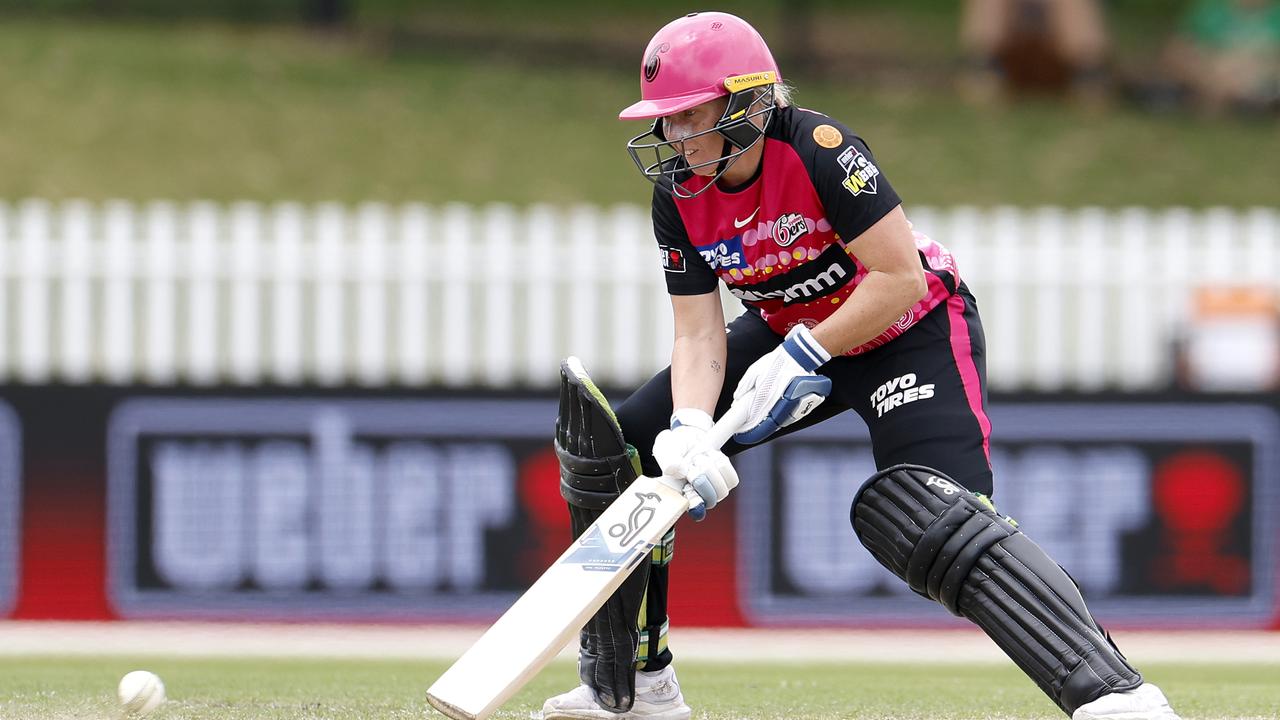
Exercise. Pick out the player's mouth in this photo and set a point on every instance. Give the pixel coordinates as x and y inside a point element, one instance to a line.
<point>691,153</point>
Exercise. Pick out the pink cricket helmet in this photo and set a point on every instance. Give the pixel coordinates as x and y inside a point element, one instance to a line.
<point>690,59</point>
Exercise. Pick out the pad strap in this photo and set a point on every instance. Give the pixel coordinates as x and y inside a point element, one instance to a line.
<point>595,482</point>
<point>951,546</point>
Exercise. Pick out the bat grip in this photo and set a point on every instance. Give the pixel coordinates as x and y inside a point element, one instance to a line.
<point>728,424</point>
<point>719,434</point>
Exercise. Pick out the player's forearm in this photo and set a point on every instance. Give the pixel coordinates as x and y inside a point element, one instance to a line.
<point>697,370</point>
<point>878,302</point>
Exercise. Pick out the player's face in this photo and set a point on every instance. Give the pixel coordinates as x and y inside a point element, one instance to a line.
<point>681,128</point>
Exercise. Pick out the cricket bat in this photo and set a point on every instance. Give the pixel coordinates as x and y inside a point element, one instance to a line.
<point>551,612</point>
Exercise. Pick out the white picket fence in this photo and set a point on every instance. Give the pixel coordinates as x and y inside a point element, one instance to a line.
<point>494,296</point>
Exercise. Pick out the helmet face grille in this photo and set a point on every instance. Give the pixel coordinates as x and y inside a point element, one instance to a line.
<point>735,125</point>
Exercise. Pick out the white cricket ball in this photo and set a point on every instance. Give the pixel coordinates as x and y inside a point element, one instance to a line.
<point>140,692</point>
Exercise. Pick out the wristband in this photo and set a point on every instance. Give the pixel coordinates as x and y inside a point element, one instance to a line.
<point>804,349</point>
<point>693,417</point>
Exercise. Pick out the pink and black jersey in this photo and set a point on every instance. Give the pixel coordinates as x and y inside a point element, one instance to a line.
<point>785,242</point>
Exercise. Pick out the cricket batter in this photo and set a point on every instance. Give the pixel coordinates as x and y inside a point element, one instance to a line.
<point>847,308</point>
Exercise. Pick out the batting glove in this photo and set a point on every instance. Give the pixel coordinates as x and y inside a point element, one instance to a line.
<point>684,453</point>
<point>782,386</point>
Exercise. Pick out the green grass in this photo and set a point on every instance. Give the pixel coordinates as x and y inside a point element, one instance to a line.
<point>83,688</point>
<point>201,110</point>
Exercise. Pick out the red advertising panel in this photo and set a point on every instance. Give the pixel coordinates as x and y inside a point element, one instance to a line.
<point>293,508</point>
<point>1163,514</point>
<point>364,505</point>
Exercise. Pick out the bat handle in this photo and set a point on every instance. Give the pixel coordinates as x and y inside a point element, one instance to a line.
<point>728,424</point>
<point>719,435</point>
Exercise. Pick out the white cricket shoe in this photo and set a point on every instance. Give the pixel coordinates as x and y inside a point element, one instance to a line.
<point>658,697</point>
<point>1144,702</point>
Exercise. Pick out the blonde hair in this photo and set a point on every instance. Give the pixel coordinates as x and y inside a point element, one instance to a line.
<point>782,91</point>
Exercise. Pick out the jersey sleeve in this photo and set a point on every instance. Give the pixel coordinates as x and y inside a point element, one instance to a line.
<point>686,272</point>
<point>853,190</point>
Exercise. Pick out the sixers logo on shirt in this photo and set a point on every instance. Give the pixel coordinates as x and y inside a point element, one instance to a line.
<point>724,254</point>
<point>861,173</point>
<point>789,228</point>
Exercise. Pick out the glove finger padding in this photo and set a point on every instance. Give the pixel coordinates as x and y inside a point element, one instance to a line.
<point>712,476</point>
<point>672,450</point>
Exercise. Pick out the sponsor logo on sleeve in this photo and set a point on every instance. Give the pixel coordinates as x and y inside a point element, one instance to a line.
<point>672,259</point>
<point>827,136</point>
<point>860,173</point>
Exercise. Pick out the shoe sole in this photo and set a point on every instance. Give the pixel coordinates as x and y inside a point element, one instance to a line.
<point>570,715</point>
<point>1144,715</point>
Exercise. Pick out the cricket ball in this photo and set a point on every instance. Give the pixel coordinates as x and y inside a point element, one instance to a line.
<point>140,692</point>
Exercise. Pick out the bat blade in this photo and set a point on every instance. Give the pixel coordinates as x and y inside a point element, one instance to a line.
<point>552,611</point>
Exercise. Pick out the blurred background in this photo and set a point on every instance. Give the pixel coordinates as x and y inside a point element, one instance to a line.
<point>284,285</point>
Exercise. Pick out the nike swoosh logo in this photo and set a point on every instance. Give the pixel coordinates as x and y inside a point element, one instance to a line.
<point>739,225</point>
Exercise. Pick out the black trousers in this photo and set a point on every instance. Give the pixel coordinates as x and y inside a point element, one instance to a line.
<point>923,395</point>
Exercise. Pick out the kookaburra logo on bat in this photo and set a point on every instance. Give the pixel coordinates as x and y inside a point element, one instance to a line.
<point>639,519</point>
